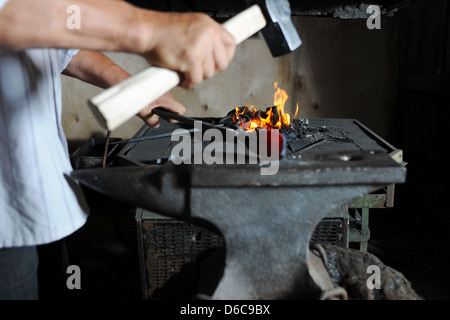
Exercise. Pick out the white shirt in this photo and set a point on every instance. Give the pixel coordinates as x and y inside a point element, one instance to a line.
<point>37,203</point>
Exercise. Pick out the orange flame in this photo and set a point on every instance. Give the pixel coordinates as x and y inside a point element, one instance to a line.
<point>279,100</point>
<point>268,119</point>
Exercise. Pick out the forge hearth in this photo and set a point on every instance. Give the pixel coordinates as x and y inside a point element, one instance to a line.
<point>306,135</point>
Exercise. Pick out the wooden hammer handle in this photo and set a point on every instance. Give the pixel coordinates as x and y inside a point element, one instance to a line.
<point>118,104</point>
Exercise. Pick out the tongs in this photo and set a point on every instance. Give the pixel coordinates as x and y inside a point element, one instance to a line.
<point>189,121</point>
<point>183,119</point>
<point>194,122</point>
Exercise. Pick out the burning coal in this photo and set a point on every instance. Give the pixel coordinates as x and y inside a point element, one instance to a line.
<point>297,132</point>
<point>275,117</point>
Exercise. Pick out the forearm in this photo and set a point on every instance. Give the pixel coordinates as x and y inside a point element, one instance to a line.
<point>95,68</point>
<point>191,43</point>
<point>109,25</point>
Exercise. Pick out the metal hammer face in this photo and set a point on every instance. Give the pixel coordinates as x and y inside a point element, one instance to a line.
<point>280,33</point>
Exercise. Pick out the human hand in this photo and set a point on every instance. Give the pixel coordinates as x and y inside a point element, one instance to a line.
<point>168,102</point>
<point>192,44</point>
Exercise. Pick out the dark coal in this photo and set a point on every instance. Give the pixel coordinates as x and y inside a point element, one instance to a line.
<point>300,134</point>
<point>246,114</point>
<point>300,144</point>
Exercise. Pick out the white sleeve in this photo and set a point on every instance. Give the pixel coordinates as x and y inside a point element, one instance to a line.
<point>65,55</point>
<point>2,3</point>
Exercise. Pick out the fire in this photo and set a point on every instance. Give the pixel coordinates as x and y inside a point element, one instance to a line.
<point>275,117</point>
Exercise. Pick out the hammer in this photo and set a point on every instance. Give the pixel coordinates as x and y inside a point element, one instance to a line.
<point>117,104</point>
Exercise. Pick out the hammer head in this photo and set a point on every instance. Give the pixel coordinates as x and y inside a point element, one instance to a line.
<point>280,33</point>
